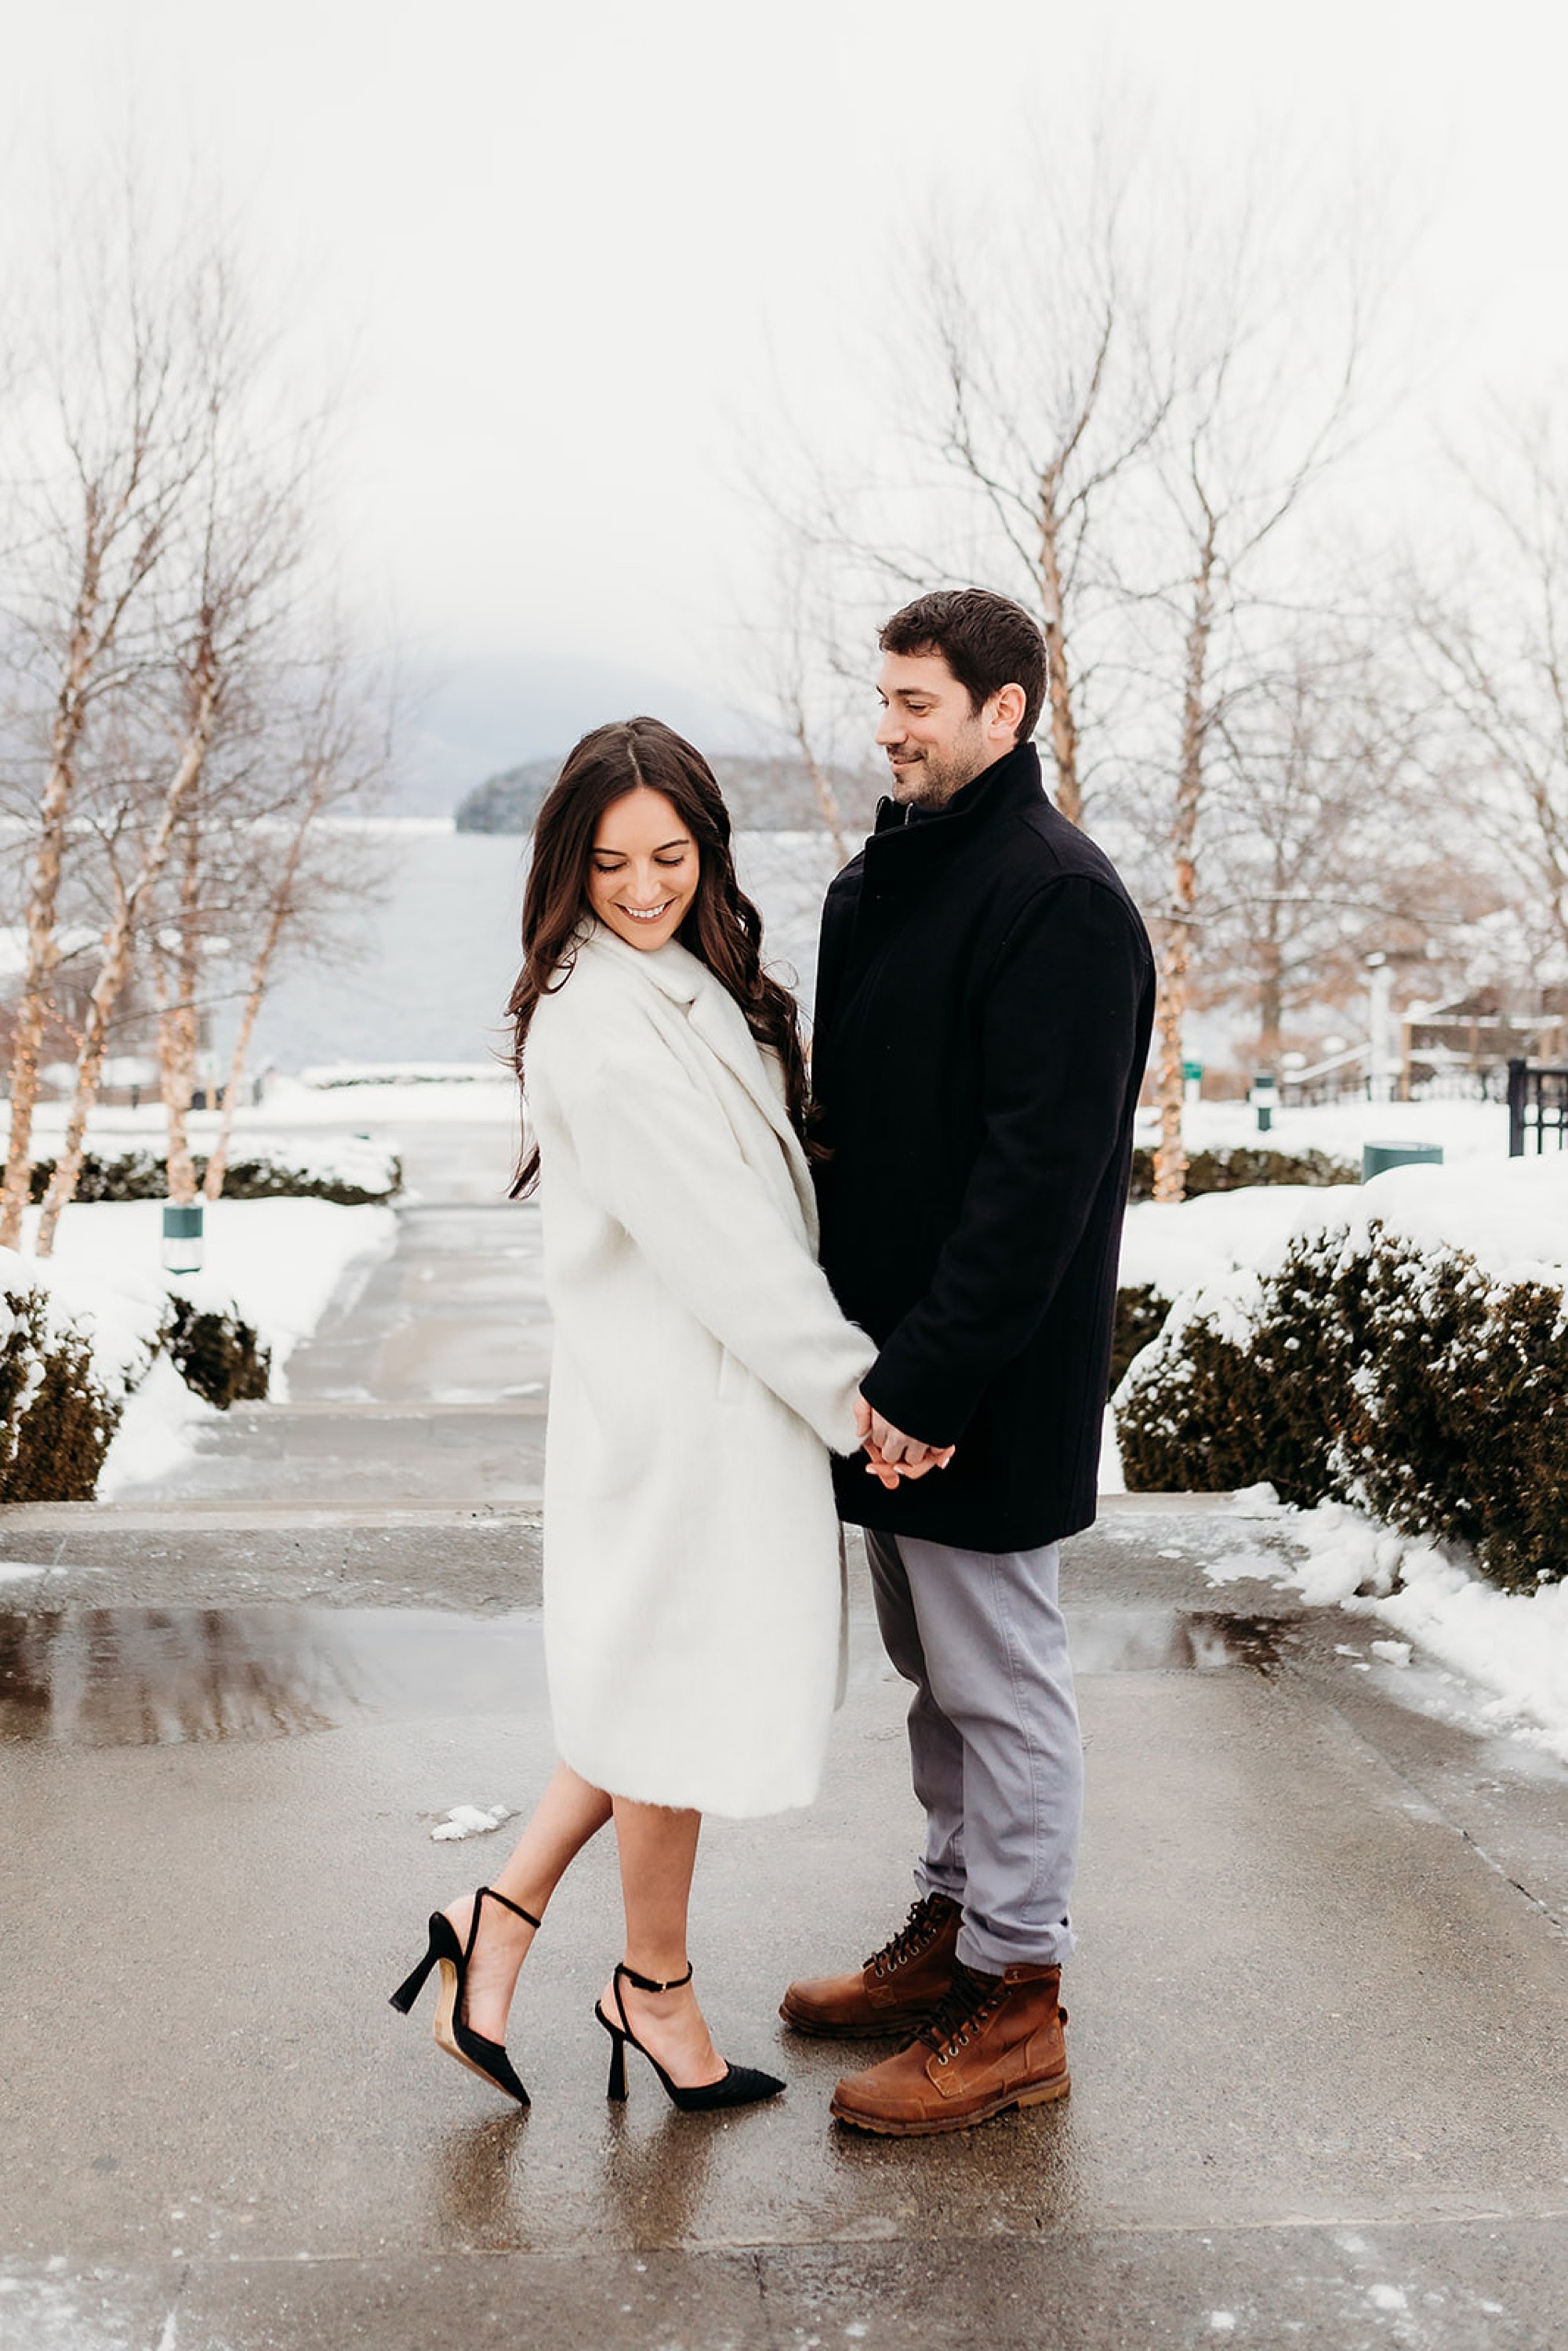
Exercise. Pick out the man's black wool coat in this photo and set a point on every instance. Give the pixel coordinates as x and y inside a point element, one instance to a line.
<point>984,1000</point>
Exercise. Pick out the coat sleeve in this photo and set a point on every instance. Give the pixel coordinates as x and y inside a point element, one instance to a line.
<point>1062,1032</point>
<point>657,1153</point>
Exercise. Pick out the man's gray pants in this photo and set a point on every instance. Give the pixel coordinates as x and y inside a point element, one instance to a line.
<point>993,1737</point>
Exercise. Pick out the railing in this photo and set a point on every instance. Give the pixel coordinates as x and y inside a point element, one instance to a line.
<point>1537,1108</point>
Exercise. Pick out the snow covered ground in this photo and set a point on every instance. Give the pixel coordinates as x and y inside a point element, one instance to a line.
<point>1465,1130</point>
<point>278,1263</point>
<point>1447,1620</point>
<point>347,1112</point>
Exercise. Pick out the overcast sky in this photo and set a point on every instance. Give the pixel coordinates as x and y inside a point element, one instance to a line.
<point>571,256</point>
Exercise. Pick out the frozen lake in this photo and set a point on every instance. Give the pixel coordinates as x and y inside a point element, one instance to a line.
<point>435,965</point>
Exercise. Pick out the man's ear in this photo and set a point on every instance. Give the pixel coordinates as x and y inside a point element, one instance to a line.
<point>1007,708</point>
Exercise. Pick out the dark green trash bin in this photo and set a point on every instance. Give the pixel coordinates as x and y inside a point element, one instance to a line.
<point>1376,1158</point>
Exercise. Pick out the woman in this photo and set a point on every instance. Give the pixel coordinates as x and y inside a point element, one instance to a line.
<point>702,1376</point>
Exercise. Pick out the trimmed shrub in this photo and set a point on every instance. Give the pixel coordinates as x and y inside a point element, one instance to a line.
<point>55,1417</point>
<point>1240,1165</point>
<point>1407,1381</point>
<point>217,1355</point>
<point>141,1176</point>
<point>1140,1317</point>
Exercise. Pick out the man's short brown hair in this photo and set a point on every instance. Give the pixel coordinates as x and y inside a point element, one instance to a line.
<point>988,642</point>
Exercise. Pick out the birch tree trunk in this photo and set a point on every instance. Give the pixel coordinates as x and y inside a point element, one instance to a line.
<point>827,797</point>
<point>178,1021</point>
<point>115,968</point>
<point>43,907</point>
<point>260,970</point>
<point>1176,951</point>
<point>1059,679</point>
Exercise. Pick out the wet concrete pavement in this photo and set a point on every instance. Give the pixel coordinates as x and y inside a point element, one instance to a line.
<point>1319,2021</point>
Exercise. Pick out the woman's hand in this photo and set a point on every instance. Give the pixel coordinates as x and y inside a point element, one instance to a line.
<point>892,1454</point>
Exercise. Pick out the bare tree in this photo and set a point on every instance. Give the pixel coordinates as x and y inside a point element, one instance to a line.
<point>101,502</point>
<point>1022,389</point>
<point>1325,840</point>
<point>302,864</point>
<point>226,598</point>
<point>1495,645</point>
<point>1246,443</point>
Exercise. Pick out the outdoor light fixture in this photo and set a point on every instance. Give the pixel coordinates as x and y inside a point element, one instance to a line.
<point>182,1237</point>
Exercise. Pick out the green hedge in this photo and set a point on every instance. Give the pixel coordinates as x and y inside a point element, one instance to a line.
<point>1141,1312</point>
<point>143,1176</point>
<point>217,1355</point>
<point>1405,1380</point>
<point>55,1417</point>
<point>1240,1166</point>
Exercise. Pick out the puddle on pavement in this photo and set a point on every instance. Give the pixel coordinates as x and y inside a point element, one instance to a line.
<point>156,1677</point>
<point>1169,1640</point>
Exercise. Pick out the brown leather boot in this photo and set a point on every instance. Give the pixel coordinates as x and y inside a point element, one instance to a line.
<point>894,1991</point>
<point>995,2042</point>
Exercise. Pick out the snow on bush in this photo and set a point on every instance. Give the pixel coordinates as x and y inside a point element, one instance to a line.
<point>57,1417</point>
<point>1412,1359</point>
<point>106,1312</point>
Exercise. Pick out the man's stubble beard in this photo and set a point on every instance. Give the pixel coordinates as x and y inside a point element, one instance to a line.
<point>932,782</point>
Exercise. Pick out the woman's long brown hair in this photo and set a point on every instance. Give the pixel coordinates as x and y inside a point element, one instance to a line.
<point>722,928</point>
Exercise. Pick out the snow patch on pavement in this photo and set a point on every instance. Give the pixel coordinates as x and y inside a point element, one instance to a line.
<point>470,1820</point>
<point>1512,1645</point>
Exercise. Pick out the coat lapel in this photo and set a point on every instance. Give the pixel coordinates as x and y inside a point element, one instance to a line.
<point>716,1017</point>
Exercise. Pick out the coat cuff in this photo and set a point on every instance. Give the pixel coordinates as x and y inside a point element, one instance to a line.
<point>934,1421</point>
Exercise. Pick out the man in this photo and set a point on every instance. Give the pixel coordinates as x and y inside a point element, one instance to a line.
<point>985,997</point>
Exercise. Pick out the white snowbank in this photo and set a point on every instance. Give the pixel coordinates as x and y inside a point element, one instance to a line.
<point>1178,1244</point>
<point>278,1263</point>
<point>1465,1130</point>
<point>1509,1214</point>
<point>1512,1644</point>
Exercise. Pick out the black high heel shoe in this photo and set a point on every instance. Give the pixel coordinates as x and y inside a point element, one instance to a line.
<point>488,2058</point>
<point>740,2085</point>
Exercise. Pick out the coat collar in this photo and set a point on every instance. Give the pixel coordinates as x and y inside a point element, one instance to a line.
<point>716,1017</point>
<point>906,839</point>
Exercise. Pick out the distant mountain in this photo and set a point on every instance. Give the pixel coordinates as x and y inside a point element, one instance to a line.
<point>765,795</point>
<point>510,801</point>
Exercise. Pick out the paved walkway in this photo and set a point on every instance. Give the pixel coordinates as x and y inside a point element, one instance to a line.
<point>1320,2019</point>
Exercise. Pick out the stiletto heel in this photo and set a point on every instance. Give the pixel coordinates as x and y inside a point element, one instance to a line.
<point>458,2039</point>
<point>738,2085</point>
<point>403,2000</point>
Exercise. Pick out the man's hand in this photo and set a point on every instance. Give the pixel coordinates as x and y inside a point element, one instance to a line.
<point>892,1454</point>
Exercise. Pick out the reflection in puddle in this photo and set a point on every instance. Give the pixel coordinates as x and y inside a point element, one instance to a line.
<point>1169,1640</point>
<point>154,1676</point>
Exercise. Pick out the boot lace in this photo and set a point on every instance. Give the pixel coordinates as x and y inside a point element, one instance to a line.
<point>917,1932</point>
<point>966,2008</point>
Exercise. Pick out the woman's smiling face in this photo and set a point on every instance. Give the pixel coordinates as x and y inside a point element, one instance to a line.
<point>643,869</point>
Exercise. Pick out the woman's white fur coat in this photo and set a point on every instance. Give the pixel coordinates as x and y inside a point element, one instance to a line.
<point>701,1373</point>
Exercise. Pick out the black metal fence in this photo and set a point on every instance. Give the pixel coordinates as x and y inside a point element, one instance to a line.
<point>1537,1108</point>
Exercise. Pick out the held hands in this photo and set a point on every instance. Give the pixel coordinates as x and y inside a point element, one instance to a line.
<point>892,1455</point>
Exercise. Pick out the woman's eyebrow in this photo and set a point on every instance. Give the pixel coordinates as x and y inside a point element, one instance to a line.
<point>665,846</point>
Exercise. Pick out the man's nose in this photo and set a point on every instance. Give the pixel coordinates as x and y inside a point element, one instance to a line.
<point>890,731</point>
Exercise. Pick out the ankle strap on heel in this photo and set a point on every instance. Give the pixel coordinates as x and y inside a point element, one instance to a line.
<point>489,1893</point>
<point>646,1983</point>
